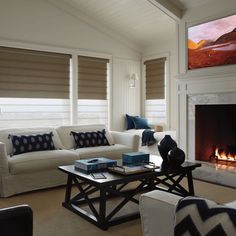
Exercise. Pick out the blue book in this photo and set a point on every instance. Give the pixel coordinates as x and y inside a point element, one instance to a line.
<point>94,164</point>
<point>135,158</point>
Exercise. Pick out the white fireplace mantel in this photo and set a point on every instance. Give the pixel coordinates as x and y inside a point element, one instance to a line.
<point>218,89</point>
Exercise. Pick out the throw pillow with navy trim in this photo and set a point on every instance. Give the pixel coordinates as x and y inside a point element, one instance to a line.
<point>130,122</point>
<point>31,143</point>
<point>90,139</point>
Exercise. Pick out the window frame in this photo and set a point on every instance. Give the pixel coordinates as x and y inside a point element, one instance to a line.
<point>74,52</point>
<point>167,84</point>
<point>74,84</point>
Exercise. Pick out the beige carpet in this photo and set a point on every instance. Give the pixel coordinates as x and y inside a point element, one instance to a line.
<point>51,219</point>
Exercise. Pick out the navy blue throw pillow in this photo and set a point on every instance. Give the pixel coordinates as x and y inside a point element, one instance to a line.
<point>90,139</point>
<point>140,123</point>
<point>31,143</point>
<point>130,122</point>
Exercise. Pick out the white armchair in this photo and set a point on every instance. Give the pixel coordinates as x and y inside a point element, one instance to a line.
<point>157,209</point>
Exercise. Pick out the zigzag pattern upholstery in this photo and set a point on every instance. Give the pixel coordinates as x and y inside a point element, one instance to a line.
<point>201,217</point>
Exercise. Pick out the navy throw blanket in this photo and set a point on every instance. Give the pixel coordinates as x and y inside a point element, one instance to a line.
<point>148,137</point>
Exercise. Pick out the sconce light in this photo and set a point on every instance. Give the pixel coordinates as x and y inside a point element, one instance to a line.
<point>132,80</point>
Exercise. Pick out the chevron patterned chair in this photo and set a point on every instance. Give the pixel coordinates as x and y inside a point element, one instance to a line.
<point>167,214</point>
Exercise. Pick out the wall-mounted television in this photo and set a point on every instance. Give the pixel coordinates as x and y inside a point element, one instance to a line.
<point>212,43</point>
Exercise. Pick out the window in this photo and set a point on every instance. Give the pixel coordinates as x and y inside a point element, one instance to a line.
<point>155,103</point>
<point>92,90</point>
<point>34,88</point>
<point>33,112</point>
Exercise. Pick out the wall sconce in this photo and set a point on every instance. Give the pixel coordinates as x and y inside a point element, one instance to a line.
<point>132,80</point>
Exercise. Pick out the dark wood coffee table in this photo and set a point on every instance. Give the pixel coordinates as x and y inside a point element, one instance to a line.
<point>115,185</point>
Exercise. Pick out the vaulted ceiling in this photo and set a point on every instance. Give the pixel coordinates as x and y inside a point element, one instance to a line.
<point>186,4</point>
<point>139,22</point>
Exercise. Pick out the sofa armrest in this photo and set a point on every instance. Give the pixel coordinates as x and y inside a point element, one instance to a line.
<point>157,210</point>
<point>4,170</point>
<point>130,140</point>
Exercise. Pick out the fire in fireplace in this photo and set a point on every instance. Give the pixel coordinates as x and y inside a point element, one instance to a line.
<point>224,154</point>
<point>215,133</point>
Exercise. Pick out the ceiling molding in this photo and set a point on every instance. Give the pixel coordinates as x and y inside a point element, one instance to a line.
<point>168,8</point>
<point>75,12</point>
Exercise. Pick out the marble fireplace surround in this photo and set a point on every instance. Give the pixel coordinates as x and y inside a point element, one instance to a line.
<point>202,91</point>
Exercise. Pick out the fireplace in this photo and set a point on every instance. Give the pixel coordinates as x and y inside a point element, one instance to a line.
<point>215,133</point>
<point>206,93</point>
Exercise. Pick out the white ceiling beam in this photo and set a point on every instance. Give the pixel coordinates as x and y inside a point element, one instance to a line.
<point>168,8</point>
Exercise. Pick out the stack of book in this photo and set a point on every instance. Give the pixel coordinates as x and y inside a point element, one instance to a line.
<point>94,164</point>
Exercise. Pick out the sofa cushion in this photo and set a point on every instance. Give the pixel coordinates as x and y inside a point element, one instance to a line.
<point>90,139</point>
<point>31,143</point>
<point>68,140</point>
<point>4,133</point>
<point>40,161</point>
<point>113,151</point>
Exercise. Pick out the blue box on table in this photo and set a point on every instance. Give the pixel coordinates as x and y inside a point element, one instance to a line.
<point>135,158</point>
<point>95,164</point>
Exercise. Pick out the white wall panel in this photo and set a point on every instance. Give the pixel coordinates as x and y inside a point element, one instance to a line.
<point>125,99</point>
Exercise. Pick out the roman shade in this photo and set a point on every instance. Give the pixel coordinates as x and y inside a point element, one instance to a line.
<point>92,78</point>
<point>33,74</point>
<point>155,78</point>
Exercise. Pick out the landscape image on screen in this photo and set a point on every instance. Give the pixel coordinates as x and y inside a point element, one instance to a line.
<point>212,43</point>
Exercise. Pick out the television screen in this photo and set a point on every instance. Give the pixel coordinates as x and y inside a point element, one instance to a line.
<point>212,43</point>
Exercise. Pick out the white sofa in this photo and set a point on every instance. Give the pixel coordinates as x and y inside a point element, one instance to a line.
<point>157,210</point>
<point>152,149</point>
<point>37,170</point>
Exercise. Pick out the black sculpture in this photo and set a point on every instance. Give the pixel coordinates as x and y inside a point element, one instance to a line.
<point>172,155</point>
<point>176,157</point>
<point>165,145</point>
